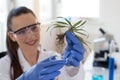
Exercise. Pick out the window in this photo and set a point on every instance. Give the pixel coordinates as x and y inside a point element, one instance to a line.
<point>3,17</point>
<point>45,8</point>
<point>27,3</point>
<point>5,7</point>
<point>80,8</point>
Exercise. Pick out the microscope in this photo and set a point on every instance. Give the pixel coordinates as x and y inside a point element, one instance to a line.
<point>102,49</point>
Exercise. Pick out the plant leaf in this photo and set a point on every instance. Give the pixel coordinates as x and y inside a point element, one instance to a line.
<point>52,29</point>
<point>77,23</point>
<point>61,23</point>
<point>48,28</point>
<point>82,23</point>
<point>83,42</point>
<point>67,21</point>
<point>82,33</point>
<point>79,32</point>
<point>60,26</point>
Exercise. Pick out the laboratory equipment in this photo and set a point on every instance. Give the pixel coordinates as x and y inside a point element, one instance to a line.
<point>102,49</point>
<point>98,73</point>
<point>111,68</point>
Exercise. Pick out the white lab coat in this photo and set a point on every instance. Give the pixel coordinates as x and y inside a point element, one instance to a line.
<point>67,73</point>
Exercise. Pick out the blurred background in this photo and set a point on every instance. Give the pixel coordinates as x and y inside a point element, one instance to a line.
<point>102,18</point>
<point>103,14</point>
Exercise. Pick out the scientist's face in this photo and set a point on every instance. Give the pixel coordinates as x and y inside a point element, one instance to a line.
<point>26,31</point>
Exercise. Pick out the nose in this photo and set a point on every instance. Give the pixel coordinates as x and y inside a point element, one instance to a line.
<point>29,32</point>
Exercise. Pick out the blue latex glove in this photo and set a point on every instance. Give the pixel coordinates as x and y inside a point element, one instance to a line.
<point>45,70</point>
<point>74,51</point>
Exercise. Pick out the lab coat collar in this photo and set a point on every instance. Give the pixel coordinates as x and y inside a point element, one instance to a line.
<point>25,65</point>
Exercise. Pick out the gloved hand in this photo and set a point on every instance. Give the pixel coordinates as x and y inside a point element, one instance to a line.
<point>74,51</point>
<point>45,70</point>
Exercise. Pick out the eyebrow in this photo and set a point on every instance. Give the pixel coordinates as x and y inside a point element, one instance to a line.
<point>27,27</point>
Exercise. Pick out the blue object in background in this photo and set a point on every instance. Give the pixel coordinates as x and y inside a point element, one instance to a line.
<point>111,68</point>
<point>69,18</point>
<point>97,77</point>
<point>98,73</point>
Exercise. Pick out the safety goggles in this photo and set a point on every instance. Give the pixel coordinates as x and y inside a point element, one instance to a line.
<point>21,33</point>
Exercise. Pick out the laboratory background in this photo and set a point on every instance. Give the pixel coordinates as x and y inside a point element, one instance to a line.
<point>102,61</point>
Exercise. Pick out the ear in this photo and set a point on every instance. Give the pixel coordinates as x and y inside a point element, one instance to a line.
<point>11,36</point>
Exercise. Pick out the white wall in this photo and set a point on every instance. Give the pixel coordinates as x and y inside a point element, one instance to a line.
<point>109,20</point>
<point>110,16</point>
<point>47,40</point>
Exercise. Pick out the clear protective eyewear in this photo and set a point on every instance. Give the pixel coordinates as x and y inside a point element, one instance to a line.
<point>21,33</point>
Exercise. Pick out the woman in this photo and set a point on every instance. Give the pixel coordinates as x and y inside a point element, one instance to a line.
<point>26,60</point>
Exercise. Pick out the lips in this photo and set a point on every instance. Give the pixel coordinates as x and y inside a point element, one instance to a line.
<point>32,42</point>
